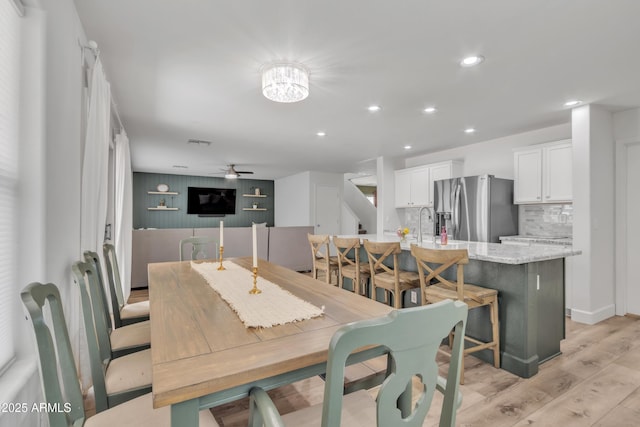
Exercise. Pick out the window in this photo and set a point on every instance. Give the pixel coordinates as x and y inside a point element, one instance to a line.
<point>9,110</point>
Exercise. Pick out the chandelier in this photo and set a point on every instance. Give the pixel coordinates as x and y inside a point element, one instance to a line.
<point>285,82</point>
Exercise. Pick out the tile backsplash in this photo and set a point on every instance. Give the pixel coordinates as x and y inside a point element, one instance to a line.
<point>410,218</point>
<point>549,220</point>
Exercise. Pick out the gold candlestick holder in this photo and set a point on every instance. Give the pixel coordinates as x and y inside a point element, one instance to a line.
<point>255,289</point>
<point>221,267</point>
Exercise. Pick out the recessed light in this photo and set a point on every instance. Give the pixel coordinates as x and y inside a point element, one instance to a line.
<point>471,61</point>
<point>407,147</point>
<point>469,130</point>
<point>374,108</point>
<point>181,166</point>
<point>572,103</point>
<point>430,110</point>
<point>321,133</point>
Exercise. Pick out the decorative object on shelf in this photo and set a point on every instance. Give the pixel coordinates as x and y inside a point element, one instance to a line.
<point>257,191</point>
<point>402,233</point>
<point>255,206</point>
<point>163,188</point>
<point>221,267</point>
<point>285,82</point>
<point>162,203</point>
<point>255,289</point>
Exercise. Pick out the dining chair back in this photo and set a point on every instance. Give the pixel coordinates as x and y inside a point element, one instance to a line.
<point>435,286</point>
<point>123,313</point>
<point>126,338</point>
<point>108,389</point>
<point>202,247</point>
<point>386,272</point>
<point>60,377</point>
<point>414,366</point>
<point>349,264</point>
<point>57,365</point>
<point>321,256</point>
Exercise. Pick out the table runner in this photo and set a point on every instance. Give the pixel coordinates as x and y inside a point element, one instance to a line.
<point>274,306</point>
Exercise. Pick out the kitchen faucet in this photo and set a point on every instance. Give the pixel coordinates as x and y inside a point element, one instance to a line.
<point>420,221</point>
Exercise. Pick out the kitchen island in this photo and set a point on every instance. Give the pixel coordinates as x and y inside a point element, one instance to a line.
<point>530,284</point>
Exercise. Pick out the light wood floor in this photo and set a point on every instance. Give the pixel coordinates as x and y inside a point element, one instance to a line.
<point>595,382</point>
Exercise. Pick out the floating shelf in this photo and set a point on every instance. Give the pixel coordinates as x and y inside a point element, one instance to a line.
<point>162,209</point>
<point>254,195</point>
<point>168,193</point>
<point>252,209</point>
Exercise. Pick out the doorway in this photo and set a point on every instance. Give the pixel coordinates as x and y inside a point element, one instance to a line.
<point>327,210</point>
<point>632,228</point>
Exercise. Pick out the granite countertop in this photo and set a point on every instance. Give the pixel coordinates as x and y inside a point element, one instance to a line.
<point>542,240</point>
<point>492,252</point>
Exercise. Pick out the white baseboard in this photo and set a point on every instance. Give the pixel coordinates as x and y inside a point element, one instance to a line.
<point>593,317</point>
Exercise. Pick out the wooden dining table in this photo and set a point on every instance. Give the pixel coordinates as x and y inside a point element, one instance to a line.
<point>204,356</point>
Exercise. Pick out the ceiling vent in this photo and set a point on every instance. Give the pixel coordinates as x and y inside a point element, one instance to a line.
<point>198,142</point>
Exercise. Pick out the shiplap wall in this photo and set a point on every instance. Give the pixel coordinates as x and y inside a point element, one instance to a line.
<point>144,218</point>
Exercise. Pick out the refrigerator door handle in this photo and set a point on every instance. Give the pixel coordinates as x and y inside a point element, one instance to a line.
<point>456,212</point>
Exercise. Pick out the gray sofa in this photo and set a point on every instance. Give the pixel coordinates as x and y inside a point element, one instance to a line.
<point>286,246</point>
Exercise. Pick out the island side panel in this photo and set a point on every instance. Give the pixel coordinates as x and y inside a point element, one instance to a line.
<point>531,319</point>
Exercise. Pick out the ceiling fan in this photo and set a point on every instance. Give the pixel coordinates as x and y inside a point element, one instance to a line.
<point>231,173</point>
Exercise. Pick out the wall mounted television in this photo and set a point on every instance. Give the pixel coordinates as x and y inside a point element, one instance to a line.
<point>211,201</point>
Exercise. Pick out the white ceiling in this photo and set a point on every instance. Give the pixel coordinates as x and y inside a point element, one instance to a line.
<point>191,69</point>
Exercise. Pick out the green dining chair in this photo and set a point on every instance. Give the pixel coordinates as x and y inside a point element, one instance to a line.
<point>412,336</point>
<point>123,313</point>
<point>114,380</point>
<point>125,339</point>
<point>60,377</point>
<point>202,247</point>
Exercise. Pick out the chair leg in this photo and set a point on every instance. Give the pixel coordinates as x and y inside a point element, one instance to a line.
<point>495,326</point>
<point>397,299</point>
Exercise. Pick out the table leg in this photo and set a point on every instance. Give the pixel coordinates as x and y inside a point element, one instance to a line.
<point>185,414</point>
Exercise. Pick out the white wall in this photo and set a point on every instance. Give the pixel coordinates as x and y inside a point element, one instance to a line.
<point>295,198</point>
<point>387,219</point>
<point>292,201</point>
<point>593,214</point>
<point>50,178</point>
<point>627,133</point>
<point>494,157</point>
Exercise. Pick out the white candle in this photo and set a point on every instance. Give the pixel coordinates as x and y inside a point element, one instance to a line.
<point>255,246</point>
<point>221,233</point>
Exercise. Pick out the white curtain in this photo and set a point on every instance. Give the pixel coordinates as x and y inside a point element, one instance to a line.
<point>96,162</point>
<point>95,175</point>
<point>123,210</point>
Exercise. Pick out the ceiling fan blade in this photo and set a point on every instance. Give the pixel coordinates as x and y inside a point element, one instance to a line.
<point>244,172</point>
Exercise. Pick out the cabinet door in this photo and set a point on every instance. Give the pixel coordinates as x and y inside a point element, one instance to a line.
<point>557,173</point>
<point>420,193</point>
<point>403,189</point>
<point>528,176</point>
<point>438,172</point>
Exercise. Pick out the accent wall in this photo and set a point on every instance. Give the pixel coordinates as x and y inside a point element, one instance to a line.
<point>169,217</point>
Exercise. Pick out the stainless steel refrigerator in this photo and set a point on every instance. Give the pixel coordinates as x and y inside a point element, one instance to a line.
<point>475,208</point>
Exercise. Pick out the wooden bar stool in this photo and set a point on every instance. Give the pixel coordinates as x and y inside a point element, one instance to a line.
<point>431,264</point>
<point>322,259</point>
<point>351,268</point>
<point>391,279</point>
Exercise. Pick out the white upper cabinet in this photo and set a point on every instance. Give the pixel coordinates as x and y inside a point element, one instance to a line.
<point>414,186</point>
<point>557,170</point>
<point>543,174</point>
